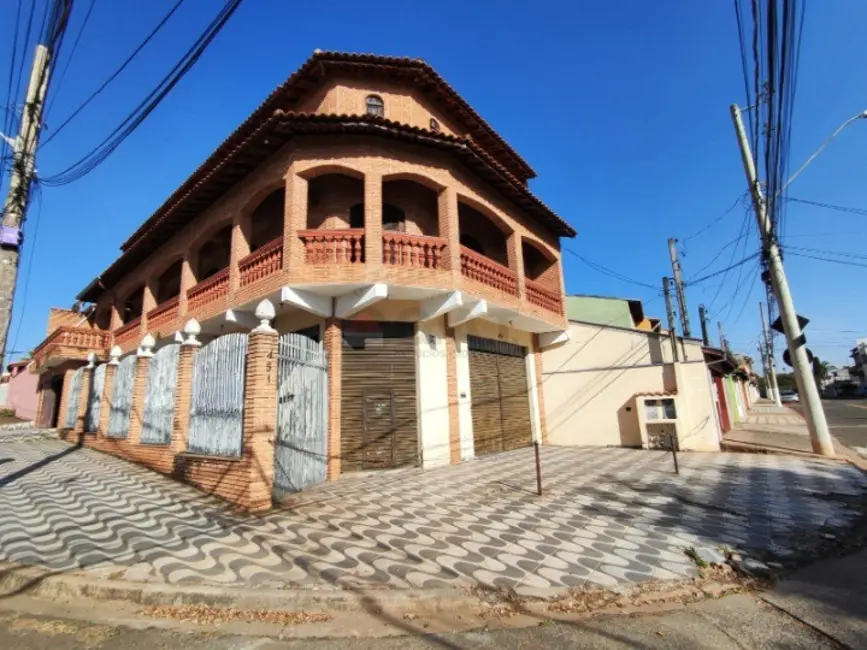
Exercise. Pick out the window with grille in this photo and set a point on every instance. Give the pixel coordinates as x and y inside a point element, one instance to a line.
<point>375,105</point>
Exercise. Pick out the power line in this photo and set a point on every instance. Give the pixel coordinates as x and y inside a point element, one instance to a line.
<point>62,76</point>
<point>827,259</point>
<point>829,206</point>
<point>725,270</point>
<point>116,73</point>
<point>609,272</point>
<point>103,150</point>
<point>715,221</point>
<point>37,197</point>
<point>801,249</point>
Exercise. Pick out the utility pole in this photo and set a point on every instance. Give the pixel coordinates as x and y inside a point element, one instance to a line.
<point>722,337</point>
<point>678,283</point>
<point>20,180</point>
<point>669,310</point>
<point>702,315</point>
<point>773,389</point>
<point>817,425</point>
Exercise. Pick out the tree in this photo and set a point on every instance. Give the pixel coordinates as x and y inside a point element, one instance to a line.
<point>820,370</point>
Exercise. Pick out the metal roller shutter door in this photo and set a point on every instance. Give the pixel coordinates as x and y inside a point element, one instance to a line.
<point>500,396</point>
<point>379,427</point>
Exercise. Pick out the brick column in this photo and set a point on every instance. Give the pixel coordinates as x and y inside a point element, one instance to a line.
<point>184,387</point>
<point>540,389</point>
<point>372,221</point>
<point>116,315</point>
<point>516,260</point>
<point>239,248</point>
<point>139,389</point>
<point>107,389</point>
<point>449,229</point>
<point>452,384</point>
<point>333,342</point>
<point>148,302</point>
<point>294,219</point>
<point>188,281</point>
<point>260,413</point>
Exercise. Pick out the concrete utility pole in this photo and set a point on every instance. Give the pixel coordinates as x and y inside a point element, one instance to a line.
<point>20,180</point>
<point>702,315</point>
<point>678,283</point>
<point>669,310</point>
<point>722,337</point>
<point>773,389</point>
<point>817,425</point>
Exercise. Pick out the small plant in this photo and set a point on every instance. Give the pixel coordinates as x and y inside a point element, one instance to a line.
<point>693,555</point>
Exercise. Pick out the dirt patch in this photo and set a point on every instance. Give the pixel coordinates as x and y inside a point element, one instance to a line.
<point>207,615</point>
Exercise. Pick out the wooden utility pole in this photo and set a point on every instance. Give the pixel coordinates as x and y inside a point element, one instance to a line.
<point>773,389</point>
<point>705,336</point>
<point>669,310</point>
<point>20,180</point>
<point>817,425</point>
<point>678,285</point>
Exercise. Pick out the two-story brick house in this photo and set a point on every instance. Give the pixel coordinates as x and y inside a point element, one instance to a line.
<point>383,217</point>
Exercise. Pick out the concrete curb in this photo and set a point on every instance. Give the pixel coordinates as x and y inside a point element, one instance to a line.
<point>20,580</point>
<point>748,448</point>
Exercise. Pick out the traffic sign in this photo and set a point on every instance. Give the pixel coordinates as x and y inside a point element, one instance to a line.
<point>788,359</point>
<point>777,325</point>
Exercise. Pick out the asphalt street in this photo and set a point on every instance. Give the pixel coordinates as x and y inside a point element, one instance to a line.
<point>847,419</point>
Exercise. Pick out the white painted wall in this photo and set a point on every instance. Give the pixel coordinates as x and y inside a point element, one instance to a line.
<point>432,391</point>
<point>465,414</point>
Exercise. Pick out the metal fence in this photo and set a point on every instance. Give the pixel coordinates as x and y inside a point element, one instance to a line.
<point>159,404</point>
<point>94,399</point>
<point>121,398</point>
<point>75,386</point>
<point>301,452</point>
<point>217,406</point>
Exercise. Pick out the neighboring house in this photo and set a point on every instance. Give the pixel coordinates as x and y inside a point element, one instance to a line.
<point>859,357</point>
<point>597,383</point>
<point>391,226</point>
<point>18,390</point>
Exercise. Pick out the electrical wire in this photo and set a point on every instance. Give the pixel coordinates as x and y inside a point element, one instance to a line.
<point>22,306</point>
<point>827,259</point>
<point>116,73</point>
<point>609,272</point>
<point>725,270</point>
<point>715,221</point>
<point>802,249</point>
<point>102,151</point>
<point>62,76</point>
<point>839,208</point>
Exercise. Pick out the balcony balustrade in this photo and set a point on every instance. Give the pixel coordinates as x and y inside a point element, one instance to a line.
<point>344,246</point>
<point>262,263</point>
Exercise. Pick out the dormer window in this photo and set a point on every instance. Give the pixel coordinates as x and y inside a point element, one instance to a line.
<point>375,106</point>
<point>434,125</point>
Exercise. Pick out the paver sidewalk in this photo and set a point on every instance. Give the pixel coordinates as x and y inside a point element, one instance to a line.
<point>608,517</point>
<point>780,429</point>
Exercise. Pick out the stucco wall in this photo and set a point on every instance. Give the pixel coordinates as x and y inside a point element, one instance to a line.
<point>590,383</point>
<point>432,392</point>
<point>22,395</point>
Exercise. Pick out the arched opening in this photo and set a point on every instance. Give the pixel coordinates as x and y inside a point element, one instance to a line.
<point>482,235</point>
<point>335,201</point>
<point>538,266</point>
<point>102,317</point>
<point>266,222</point>
<point>214,254</point>
<point>132,306</point>
<point>409,206</point>
<point>169,283</point>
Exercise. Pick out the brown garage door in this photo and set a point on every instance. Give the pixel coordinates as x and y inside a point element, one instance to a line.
<point>378,400</point>
<point>500,397</point>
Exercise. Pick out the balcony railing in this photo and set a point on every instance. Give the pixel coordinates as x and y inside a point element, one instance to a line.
<point>481,269</point>
<point>415,251</point>
<point>262,263</point>
<point>128,333</point>
<point>345,246</point>
<point>163,314</point>
<point>541,296</point>
<point>209,290</point>
<point>85,339</point>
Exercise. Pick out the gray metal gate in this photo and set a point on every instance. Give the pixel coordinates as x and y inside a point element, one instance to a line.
<point>75,386</point>
<point>94,399</point>
<point>159,404</point>
<point>301,452</point>
<point>121,398</point>
<point>217,407</point>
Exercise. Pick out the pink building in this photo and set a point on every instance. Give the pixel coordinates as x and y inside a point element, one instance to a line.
<point>21,390</point>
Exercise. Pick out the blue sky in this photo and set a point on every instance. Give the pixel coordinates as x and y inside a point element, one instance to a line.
<point>621,107</point>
